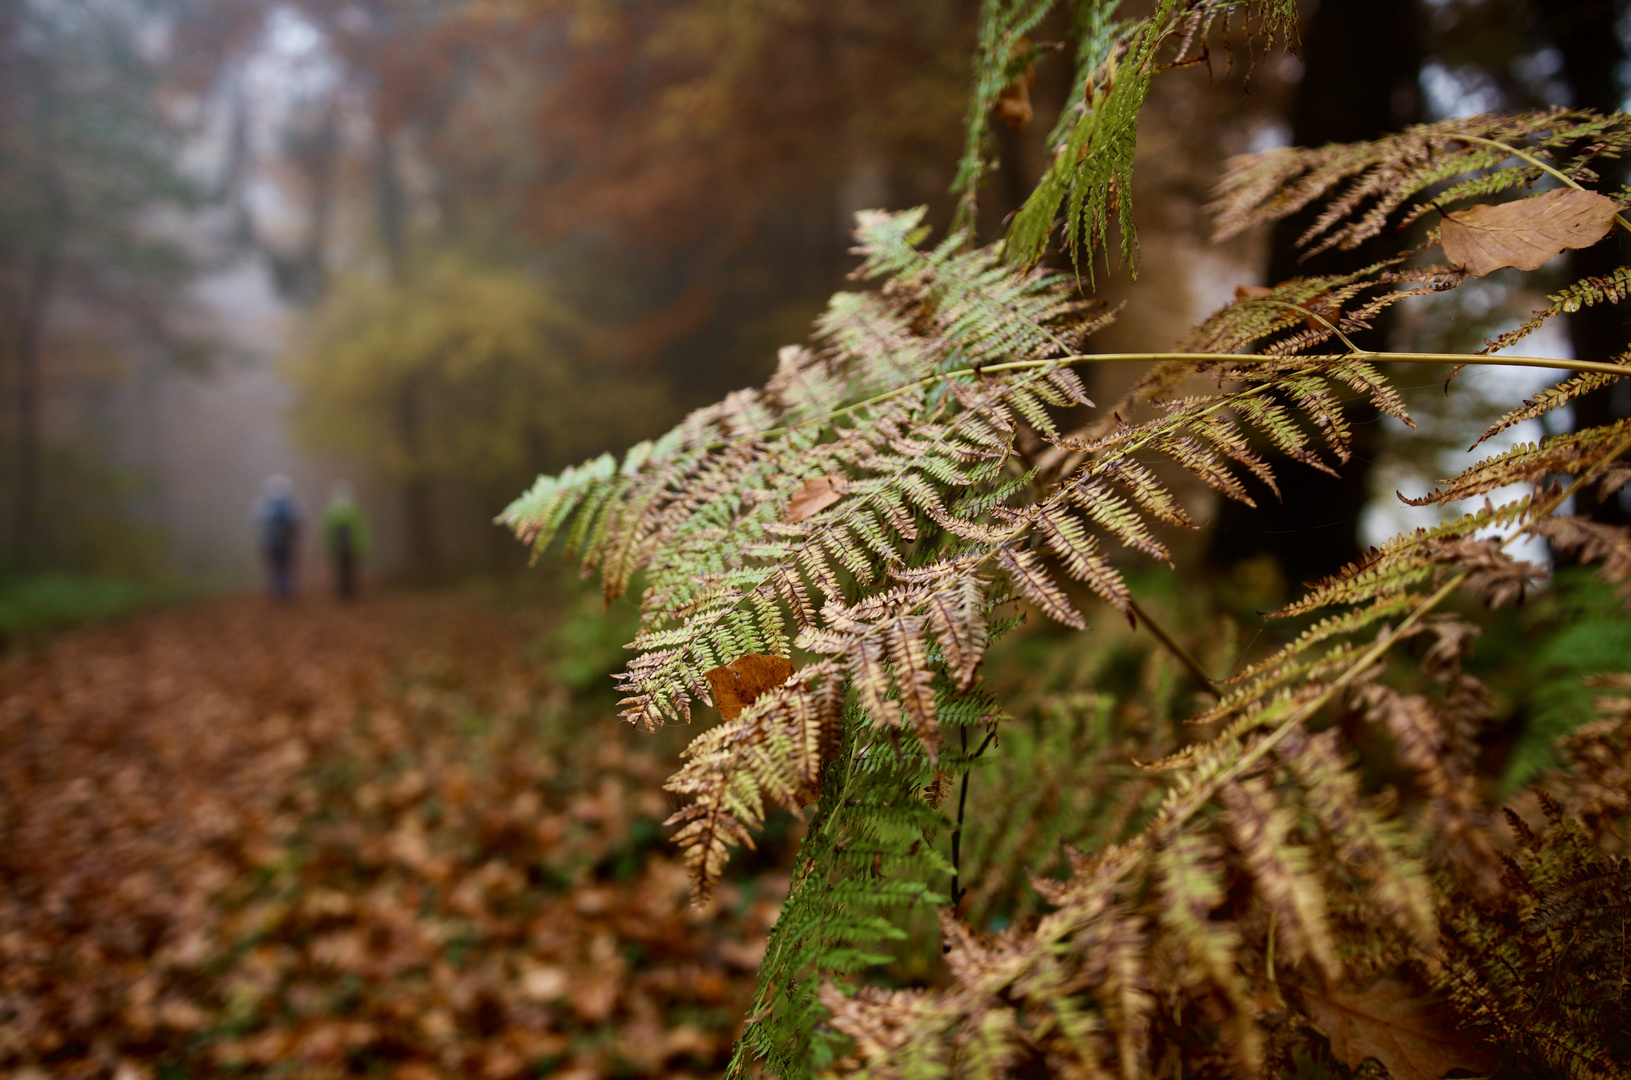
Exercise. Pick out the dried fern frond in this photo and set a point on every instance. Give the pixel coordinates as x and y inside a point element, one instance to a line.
<point>1597,757</point>
<point>1577,453</point>
<point>1550,400</point>
<point>703,511</point>
<point>1364,185</point>
<point>1587,292</point>
<point>1540,966</point>
<point>1303,314</point>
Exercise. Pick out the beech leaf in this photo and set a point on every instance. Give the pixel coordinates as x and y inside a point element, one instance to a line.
<point>815,496</point>
<point>1013,105</point>
<point>1526,232</point>
<point>1413,1036</point>
<point>736,684</point>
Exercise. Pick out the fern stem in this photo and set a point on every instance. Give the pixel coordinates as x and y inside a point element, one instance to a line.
<point>962,805</point>
<point>1446,359</point>
<point>1308,313</point>
<point>1175,648</point>
<point>1538,163</point>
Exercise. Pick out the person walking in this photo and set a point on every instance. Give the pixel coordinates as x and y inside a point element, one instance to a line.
<point>345,536</point>
<point>277,517</point>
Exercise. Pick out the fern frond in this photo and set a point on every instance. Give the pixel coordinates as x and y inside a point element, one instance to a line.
<point>772,752</point>
<point>1260,826</point>
<point>1588,291</point>
<point>1380,177</point>
<point>1092,168</point>
<point>1368,844</point>
<point>1037,585</point>
<point>1593,542</point>
<point>1192,888</point>
<point>1572,454</point>
<point>1092,148</point>
<point>1550,400</point>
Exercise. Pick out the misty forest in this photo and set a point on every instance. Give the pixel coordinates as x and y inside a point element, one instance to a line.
<point>792,538</point>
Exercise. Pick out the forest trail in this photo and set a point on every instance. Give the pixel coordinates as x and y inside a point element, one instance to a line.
<point>326,841</point>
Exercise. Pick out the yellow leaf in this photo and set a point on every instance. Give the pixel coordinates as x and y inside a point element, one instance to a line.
<point>1526,232</point>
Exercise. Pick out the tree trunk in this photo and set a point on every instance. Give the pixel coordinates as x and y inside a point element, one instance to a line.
<point>1362,61</point>
<point>28,348</point>
<point>1584,32</point>
<point>389,205</point>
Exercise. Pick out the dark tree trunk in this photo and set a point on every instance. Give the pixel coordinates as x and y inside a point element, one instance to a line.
<point>1362,62</point>
<point>1584,32</point>
<point>29,349</point>
<point>389,205</point>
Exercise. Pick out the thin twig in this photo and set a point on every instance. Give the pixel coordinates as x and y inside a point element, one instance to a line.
<point>1192,665</point>
<point>962,805</point>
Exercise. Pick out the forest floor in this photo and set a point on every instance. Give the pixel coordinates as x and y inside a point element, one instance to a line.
<point>320,840</point>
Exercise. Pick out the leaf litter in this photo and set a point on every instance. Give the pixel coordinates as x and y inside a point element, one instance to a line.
<point>324,841</point>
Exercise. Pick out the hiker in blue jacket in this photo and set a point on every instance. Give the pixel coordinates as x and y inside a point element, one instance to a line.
<point>277,516</point>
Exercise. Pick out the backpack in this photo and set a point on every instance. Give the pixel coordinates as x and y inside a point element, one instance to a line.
<point>280,526</point>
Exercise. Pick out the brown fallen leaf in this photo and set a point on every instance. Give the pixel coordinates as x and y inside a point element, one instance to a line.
<point>737,683</point>
<point>1412,1035</point>
<point>1526,232</point>
<point>1013,106</point>
<point>815,496</point>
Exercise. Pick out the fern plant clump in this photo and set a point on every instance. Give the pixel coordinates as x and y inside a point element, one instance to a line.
<point>929,467</point>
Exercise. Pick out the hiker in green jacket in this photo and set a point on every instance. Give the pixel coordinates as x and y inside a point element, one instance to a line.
<point>345,536</point>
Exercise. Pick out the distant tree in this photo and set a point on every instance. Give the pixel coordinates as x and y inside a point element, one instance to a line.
<point>461,376</point>
<point>1362,62</point>
<point>1587,38</point>
<point>87,156</point>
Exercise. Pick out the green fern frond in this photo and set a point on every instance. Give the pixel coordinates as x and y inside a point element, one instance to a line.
<point>1092,168</point>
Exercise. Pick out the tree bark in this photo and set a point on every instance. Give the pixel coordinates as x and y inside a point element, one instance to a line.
<point>1584,32</point>
<point>29,351</point>
<point>1362,60</point>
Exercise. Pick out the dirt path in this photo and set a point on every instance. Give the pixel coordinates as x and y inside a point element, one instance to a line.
<point>328,841</point>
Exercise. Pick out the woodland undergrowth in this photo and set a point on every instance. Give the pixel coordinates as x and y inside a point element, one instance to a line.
<point>1221,885</point>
